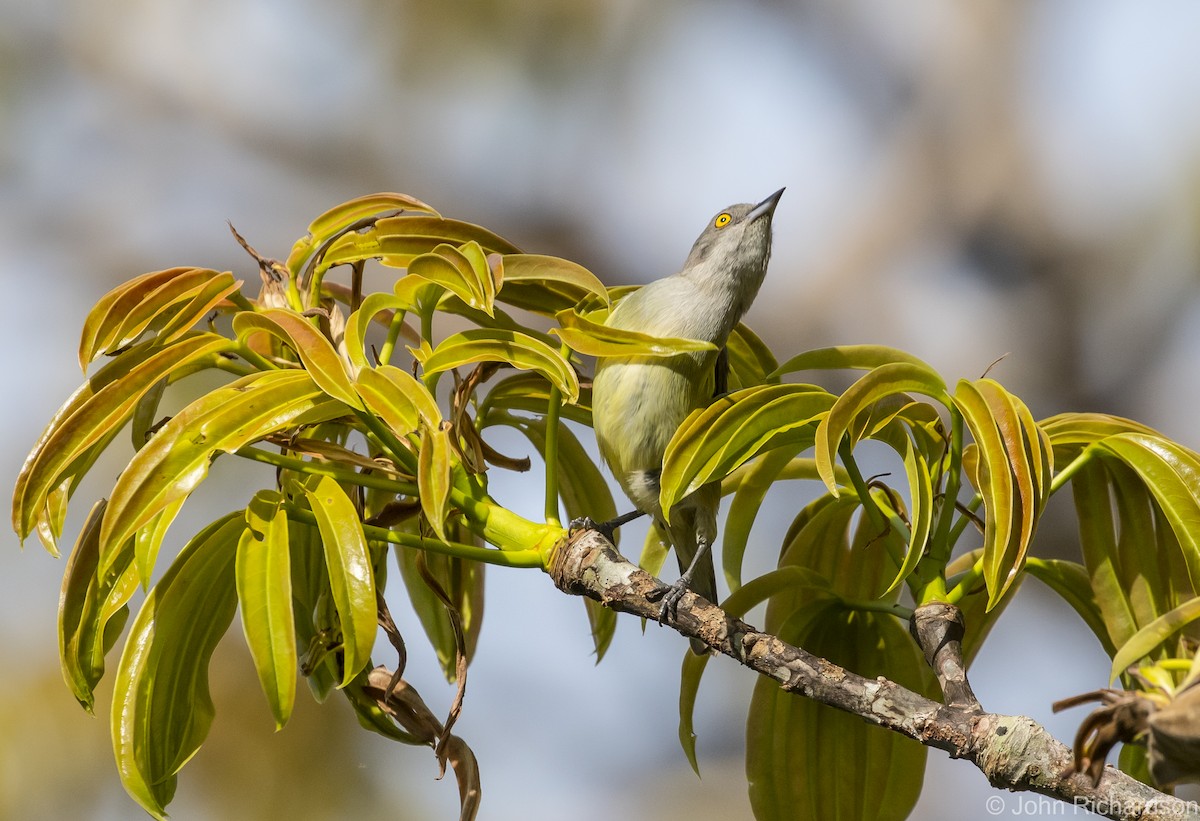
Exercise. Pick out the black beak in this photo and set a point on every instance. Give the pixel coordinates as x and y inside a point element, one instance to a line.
<point>766,207</point>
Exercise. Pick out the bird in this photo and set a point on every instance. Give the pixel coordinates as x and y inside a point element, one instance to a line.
<point>638,402</point>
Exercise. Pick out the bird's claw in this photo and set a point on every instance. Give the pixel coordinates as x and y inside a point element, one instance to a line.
<point>670,596</point>
<point>605,529</point>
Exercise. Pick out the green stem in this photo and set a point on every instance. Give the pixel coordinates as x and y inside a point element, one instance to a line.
<point>402,455</point>
<point>964,521</point>
<point>877,517</point>
<point>239,299</point>
<point>553,409</point>
<point>941,545</point>
<point>1066,474</point>
<point>393,335</point>
<point>879,606</point>
<point>965,583</point>
<point>318,468</point>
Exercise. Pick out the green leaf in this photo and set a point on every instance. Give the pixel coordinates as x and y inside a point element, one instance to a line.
<point>1004,472</point>
<point>398,398</point>
<point>176,460</point>
<point>856,357</point>
<point>351,579</point>
<point>264,588</point>
<point>594,339</point>
<point>545,285</point>
<point>433,477</point>
<point>808,760</point>
<point>396,241</point>
<point>124,313</point>
<point>161,708</point>
<point>519,350</point>
<point>316,352</point>
<point>920,485</point>
<point>761,475</point>
<point>148,540</point>
<point>341,217</point>
<point>713,441</point>
<point>310,595</point>
<point>880,383</point>
<point>373,306</point>
<point>1090,487</point>
<point>750,360</point>
<point>1145,641</point>
<point>91,610</point>
<point>462,271</point>
<point>529,392</point>
<point>1070,433</point>
<point>1172,474</point>
<point>94,413</point>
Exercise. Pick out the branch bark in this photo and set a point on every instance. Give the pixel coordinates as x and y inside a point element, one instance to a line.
<point>1014,752</point>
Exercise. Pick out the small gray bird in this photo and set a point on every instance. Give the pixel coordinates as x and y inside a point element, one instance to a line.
<point>639,402</point>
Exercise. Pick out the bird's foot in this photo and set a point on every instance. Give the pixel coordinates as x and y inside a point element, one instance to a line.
<point>670,596</point>
<point>605,529</point>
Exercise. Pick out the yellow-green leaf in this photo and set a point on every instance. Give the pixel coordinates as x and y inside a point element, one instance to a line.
<point>808,760</point>
<point>543,284</point>
<point>881,382</point>
<point>91,610</point>
<point>341,217</point>
<point>373,306</point>
<point>162,709</point>
<point>593,339</point>
<point>316,352</point>
<point>519,350</point>
<point>463,272</point>
<point>856,357</point>
<point>433,477</point>
<point>264,588</point>
<point>95,412</point>
<point>397,398</point>
<point>1145,641</point>
<point>750,360</point>
<point>177,458</point>
<point>713,441</point>
<point>351,579</point>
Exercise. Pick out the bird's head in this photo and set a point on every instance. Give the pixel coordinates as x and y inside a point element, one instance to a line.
<point>735,244</point>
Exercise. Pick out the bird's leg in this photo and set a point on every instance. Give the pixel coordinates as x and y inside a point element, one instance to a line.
<point>605,529</point>
<point>672,595</point>
<point>721,373</point>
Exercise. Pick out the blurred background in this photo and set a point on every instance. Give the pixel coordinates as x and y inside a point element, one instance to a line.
<point>964,181</point>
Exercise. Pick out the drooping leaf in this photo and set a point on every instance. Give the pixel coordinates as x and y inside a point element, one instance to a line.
<point>339,218</point>
<point>316,352</point>
<point>1070,433</point>
<point>807,760</point>
<point>713,441</point>
<point>1098,540</point>
<point>1000,443</point>
<point>398,398</point>
<point>880,383</point>
<point>519,350</point>
<point>529,392</point>
<point>751,362</point>
<point>373,307</point>
<point>593,339</point>
<point>351,580</point>
<point>176,460</point>
<point>162,709</point>
<point>920,514</point>
<point>1145,641</point>
<point>148,540</point>
<point>855,357</point>
<point>396,241</point>
<point>433,477</point>
<point>545,285</point>
<point>264,588</point>
<point>1172,473</point>
<point>310,603</point>
<point>462,271</point>
<point>119,317</point>
<point>761,475</point>
<point>91,610</point>
<point>95,412</point>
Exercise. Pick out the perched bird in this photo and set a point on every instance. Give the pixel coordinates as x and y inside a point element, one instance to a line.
<point>639,402</point>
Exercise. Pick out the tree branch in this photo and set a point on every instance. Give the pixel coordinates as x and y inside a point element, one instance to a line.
<point>1014,752</point>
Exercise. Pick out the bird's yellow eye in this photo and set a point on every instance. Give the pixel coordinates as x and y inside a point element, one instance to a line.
<point>722,220</point>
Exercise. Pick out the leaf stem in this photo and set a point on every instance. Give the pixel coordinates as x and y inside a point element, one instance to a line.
<point>1066,474</point>
<point>317,468</point>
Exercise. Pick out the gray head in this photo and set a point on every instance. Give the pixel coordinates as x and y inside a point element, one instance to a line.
<point>737,241</point>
